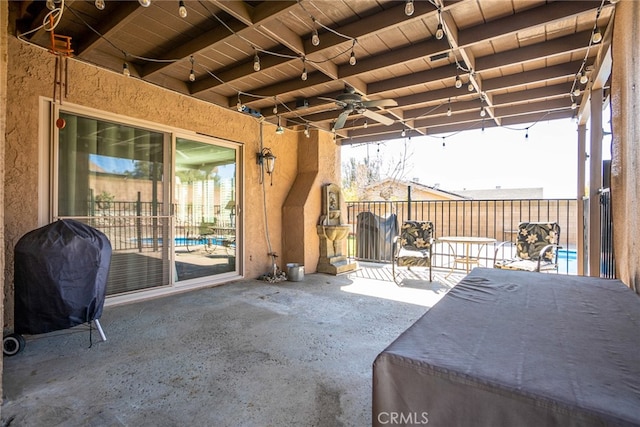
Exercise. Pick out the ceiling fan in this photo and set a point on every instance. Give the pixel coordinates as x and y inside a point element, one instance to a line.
<point>351,102</point>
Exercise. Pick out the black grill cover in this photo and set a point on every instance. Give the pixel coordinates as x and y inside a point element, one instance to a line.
<point>60,278</point>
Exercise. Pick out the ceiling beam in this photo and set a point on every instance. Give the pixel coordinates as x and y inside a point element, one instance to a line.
<point>121,14</point>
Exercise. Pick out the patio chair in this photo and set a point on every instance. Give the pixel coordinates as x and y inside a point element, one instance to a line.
<point>536,248</point>
<point>413,247</point>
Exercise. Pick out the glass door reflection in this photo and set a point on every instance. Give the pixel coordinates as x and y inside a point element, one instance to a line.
<point>204,209</point>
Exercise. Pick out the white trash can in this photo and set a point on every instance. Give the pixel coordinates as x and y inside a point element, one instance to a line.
<point>295,272</point>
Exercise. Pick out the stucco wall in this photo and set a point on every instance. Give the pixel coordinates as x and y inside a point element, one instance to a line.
<point>625,159</point>
<point>3,105</point>
<point>30,76</point>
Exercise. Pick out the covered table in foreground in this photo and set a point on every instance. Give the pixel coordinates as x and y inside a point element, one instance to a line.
<point>511,348</point>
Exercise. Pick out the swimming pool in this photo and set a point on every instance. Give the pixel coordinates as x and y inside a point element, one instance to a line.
<point>567,261</point>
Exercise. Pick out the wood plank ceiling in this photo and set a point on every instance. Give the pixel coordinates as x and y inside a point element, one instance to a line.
<point>518,60</point>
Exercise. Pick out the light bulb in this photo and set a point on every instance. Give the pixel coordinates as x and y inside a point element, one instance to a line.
<point>279,130</point>
<point>51,5</point>
<point>256,63</point>
<point>574,105</point>
<point>470,87</point>
<point>315,38</point>
<point>145,3</point>
<point>449,112</point>
<point>366,124</point>
<point>100,4</point>
<point>597,36</point>
<point>458,82</point>
<point>404,133</point>
<point>576,92</point>
<point>483,112</point>
<point>409,8</point>
<point>583,78</point>
<point>192,76</point>
<point>275,109</point>
<point>439,32</point>
<point>239,106</point>
<point>304,74</point>
<point>125,70</point>
<point>182,10</point>
<point>352,59</point>
<point>306,132</point>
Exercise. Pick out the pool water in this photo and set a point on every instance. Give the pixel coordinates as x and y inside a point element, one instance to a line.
<point>567,261</point>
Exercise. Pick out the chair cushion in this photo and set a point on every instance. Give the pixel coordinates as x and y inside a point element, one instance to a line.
<point>414,261</point>
<point>523,264</point>
<point>532,237</point>
<point>416,235</point>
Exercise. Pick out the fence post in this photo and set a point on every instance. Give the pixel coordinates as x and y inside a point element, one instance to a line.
<point>409,202</point>
<point>139,221</point>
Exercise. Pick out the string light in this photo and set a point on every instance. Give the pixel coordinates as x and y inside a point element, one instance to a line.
<point>574,105</point>
<point>275,106</point>
<point>256,62</point>
<point>597,36</point>
<point>366,124</point>
<point>404,133</point>
<point>100,4</point>
<point>51,4</point>
<point>279,129</point>
<point>125,69</point>
<point>449,108</point>
<point>458,82</point>
<point>306,131</point>
<point>470,87</point>
<point>583,78</point>
<point>239,104</point>
<point>439,32</point>
<point>409,8</point>
<point>145,3</point>
<point>304,72</point>
<point>576,92</point>
<point>483,112</point>
<point>315,38</point>
<point>352,58</point>
<point>182,10</point>
<point>192,74</point>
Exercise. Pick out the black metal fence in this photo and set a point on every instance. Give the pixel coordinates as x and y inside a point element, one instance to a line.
<point>497,219</point>
<point>607,263</point>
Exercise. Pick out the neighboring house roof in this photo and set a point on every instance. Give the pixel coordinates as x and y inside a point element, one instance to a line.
<point>504,193</point>
<point>397,190</point>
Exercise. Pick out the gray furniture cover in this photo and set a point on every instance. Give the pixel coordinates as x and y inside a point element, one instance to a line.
<point>512,348</point>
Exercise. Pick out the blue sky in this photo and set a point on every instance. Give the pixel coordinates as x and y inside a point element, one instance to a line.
<point>486,159</point>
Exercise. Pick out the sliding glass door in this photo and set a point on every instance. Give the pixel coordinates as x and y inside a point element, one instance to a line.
<point>166,203</point>
<point>204,209</point>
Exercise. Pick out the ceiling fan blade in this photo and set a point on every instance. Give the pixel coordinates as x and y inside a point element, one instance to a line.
<point>380,103</point>
<point>378,117</point>
<point>337,101</point>
<point>342,118</point>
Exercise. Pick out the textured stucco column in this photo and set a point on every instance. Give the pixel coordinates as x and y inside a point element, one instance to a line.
<point>318,164</point>
<point>3,127</point>
<point>625,161</point>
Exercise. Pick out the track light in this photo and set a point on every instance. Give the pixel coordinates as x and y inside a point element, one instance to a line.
<point>409,8</point>
<point>439,32</point>
<point>256,62</point>
<point>182,10</point>
<point>100,4</point>
<point>125,69</point>
<point>597,36</point>
<point>583,78</point>
<point>145,3</point>
<point>458,82</point>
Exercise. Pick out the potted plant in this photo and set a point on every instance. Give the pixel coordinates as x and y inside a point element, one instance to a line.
<point>104,199</point>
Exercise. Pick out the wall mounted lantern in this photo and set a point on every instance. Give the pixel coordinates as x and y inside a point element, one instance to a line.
<point>267,162</point>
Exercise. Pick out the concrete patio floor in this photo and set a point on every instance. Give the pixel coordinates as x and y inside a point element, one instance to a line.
<point>248,353</point>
